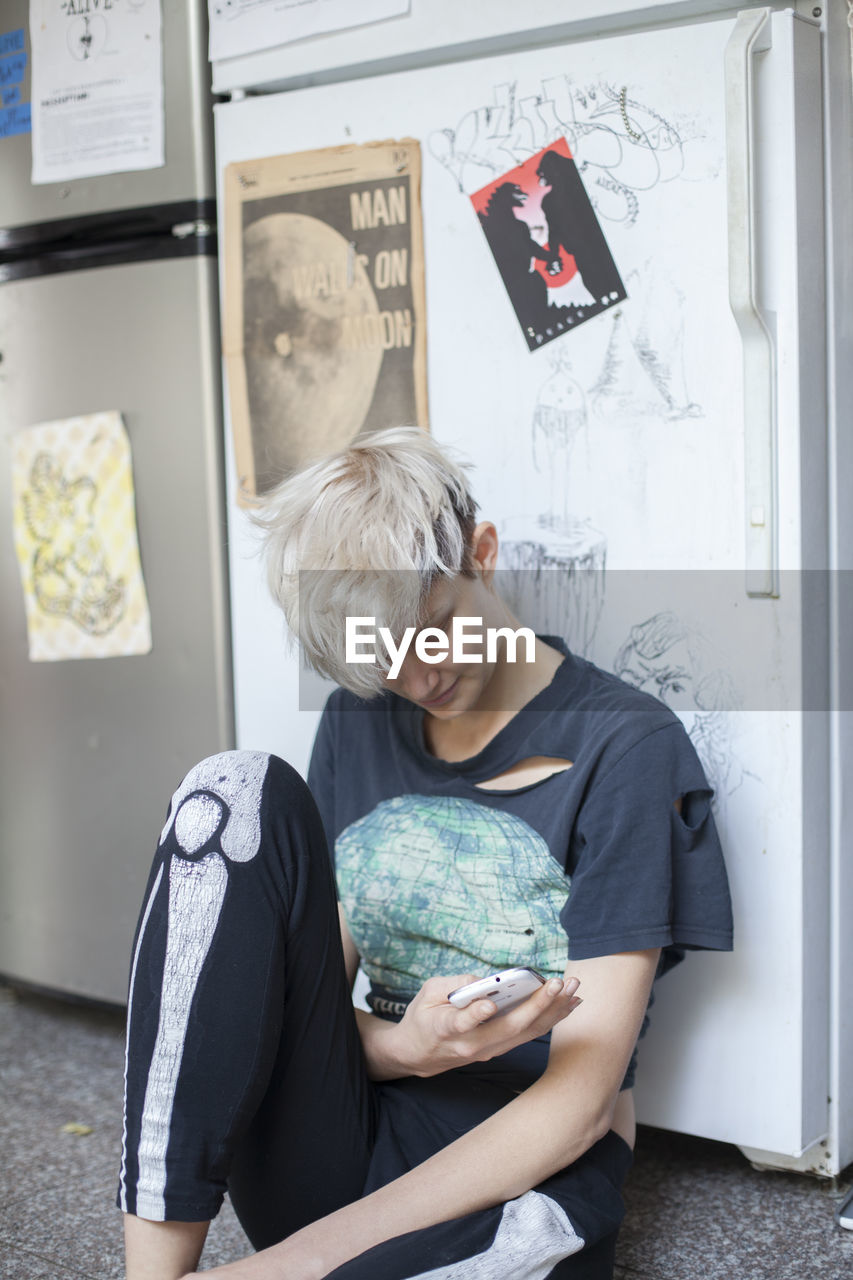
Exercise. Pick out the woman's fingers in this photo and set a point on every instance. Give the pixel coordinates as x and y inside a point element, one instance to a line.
<point>533,1017</point>
<point>549,1002</point>
<point>472,1016</point>
<point>551,1005</point>
<point>436,990</point>
<point>444,1036</point>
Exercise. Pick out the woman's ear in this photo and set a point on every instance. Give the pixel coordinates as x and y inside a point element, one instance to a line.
<point>484,549</point>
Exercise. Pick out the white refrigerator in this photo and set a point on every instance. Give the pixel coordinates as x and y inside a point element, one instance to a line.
<point>666,475</point>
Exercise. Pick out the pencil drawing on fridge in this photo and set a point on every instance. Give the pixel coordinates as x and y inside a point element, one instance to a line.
<point>673,659</point>
<point>585,156</point>
<point>642,373</point>
<point>554,562</point>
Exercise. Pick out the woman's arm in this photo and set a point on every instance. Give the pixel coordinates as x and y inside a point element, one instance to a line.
<point>351,956</point>
<point>541,1131</point>
<point>161,1250</point>
<point>436,1037</point>
<point>433,1036</point>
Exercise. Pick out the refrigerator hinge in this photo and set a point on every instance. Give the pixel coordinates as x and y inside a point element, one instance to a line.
<point>198,227</point>
<point>810,9</point>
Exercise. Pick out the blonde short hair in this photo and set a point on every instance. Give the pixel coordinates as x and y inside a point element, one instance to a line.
<point>365,532</point>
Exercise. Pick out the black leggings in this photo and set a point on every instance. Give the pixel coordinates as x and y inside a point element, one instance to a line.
<point>245,1070</point>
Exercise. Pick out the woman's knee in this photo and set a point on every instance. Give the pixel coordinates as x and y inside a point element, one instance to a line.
<point>226,801</point>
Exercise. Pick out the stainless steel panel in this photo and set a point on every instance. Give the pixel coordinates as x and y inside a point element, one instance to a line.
<point>90,750</point>
<point>188,172</point>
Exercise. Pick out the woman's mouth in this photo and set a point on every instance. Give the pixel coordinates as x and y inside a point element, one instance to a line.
<point>441,698</point>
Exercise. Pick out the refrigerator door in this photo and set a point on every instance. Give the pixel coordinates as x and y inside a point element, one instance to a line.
<point>188,171</point>
<point>444,31</point>
<point>623,444</point>
<point>91,750</point>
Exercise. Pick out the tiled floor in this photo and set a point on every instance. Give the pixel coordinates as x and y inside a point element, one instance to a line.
<point>697,1211</point>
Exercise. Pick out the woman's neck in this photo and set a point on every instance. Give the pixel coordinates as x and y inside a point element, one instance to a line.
<point>511,687</point>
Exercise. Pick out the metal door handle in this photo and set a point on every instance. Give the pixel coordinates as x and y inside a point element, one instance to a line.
<point>751,36</point>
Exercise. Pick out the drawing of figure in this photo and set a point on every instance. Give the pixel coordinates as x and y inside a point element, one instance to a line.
<point>559,415</point>
<point>520,216</point>
<point>553,563</point>
<point>666,657</point>
<point>552,571</point>
<point>643,368</point>
<point>515,252</point>
<point>71,578</point>
<point>86,36</point>
<point>557,267</point>
<point>573,227</point>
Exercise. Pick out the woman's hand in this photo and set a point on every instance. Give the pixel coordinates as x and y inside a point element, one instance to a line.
<point>434,1036</point>
<point>309,1254</point>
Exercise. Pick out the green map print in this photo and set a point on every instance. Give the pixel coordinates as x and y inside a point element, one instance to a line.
<point>437,884</point>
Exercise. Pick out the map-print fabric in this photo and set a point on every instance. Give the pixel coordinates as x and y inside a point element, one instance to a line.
<point>442,884</point>
<point>439,873</point>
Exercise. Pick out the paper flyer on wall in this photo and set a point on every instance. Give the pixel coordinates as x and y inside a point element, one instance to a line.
<point>14,61</point>
<point>97,87</point>
<point>324,323</point>
<point>548,245</point>
<point>247,26</point>
<point>74,520</point>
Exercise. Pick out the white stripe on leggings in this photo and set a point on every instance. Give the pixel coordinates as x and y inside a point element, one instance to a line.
<point>149,904</point>
<point>533,1236</point>
<point>196,894</point>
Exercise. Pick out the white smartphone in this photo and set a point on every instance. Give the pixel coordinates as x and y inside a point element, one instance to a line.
<point>506,989</point>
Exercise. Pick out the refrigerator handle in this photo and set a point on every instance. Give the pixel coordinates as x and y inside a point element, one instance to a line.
<point>751,36</point>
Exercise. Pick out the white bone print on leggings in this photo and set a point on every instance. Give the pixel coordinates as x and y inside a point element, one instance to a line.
<point>230,783</point>
<point>534,1234</point>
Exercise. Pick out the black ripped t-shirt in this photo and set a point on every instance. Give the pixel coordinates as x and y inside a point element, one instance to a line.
<point>437,875</point>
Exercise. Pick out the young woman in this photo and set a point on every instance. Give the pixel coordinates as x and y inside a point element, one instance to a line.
<point>482,815</point>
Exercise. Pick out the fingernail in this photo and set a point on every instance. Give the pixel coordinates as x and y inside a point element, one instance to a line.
<point>571,984</point>
<point>555,986</point>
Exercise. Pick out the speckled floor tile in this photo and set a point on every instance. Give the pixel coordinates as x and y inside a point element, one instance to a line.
<point>63,1064</point>
<point>696,1210</point>
<point>80,1227</point>
<point>23,1264</point>
<point>226,1240</point>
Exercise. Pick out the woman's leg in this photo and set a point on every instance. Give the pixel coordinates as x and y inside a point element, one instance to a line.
<point>563,1229</point>
<point>244,1066</point>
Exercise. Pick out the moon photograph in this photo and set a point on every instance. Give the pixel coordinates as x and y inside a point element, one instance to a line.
<point>308,394</point>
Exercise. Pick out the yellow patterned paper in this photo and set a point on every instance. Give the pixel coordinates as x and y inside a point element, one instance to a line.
<point>75,538</point>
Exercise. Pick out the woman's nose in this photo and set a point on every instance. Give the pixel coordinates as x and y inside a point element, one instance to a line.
<point>417,680</point>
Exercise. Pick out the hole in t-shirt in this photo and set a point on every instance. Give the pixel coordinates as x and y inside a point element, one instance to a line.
<point>694,808</point>
<point>525,773</point>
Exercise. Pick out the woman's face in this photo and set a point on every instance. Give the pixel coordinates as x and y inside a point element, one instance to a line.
<point>446,689</point>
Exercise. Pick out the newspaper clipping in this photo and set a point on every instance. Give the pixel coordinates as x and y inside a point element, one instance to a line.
<point>324,326</point>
